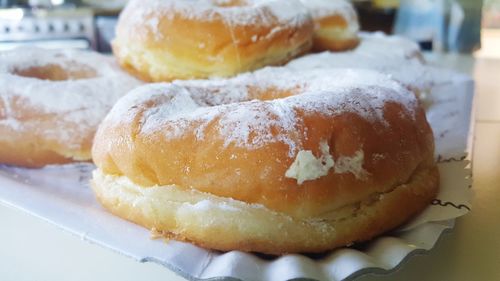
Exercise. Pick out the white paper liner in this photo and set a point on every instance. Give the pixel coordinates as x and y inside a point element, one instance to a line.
<point>60,195</point>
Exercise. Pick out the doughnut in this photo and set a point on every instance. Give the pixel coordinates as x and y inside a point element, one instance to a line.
<point>403,63</point>
<point>171,39</point>
<point>372,53</point>
<point>389,46</point>
<point>335,24</point>
<point>51,102</point>
<point>274,161</point>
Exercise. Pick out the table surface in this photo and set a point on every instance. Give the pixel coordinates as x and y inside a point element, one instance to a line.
<point>31,249</point>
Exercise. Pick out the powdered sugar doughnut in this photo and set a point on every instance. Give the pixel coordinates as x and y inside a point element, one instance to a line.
<point>275,161</point>
<point>403,62</point>
<point>389,46</point>
<point>335,24</point>
<point>51,103</point>
<point>375,51</point>
<point>171,39</point>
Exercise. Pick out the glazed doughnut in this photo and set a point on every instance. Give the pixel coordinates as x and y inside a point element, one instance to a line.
<point>172,39</point>
<point>273,161</point>
<point>51,103</point>
<point>335,24</point>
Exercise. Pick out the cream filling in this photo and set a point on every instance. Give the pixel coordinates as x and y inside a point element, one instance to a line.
<point>309,167</point>
<point>352,164</point>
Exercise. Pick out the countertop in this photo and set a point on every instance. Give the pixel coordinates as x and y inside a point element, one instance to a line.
<point>31,249</point>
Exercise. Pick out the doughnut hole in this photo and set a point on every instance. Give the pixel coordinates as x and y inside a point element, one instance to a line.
<point>55,72</point>
<point>271,93</point>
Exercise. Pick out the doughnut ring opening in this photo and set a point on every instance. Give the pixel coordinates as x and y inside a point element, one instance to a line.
<point>54,72</point>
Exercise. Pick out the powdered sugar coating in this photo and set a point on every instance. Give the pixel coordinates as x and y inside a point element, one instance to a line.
<point>388,46</point>
<point>82,103</point>
<point>375,51</point>
<point>394,56</point>
<point>247,122</point>
<point>234,13</point>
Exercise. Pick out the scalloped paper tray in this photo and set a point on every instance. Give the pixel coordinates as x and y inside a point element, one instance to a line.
<point>61,195</point>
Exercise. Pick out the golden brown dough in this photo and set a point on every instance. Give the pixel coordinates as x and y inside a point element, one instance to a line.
<point>275,161</point>
<point>168,40</point>
<point>51,102</point>
<point>335,24</point>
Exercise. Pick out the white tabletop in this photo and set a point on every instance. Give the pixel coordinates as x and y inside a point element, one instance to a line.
<point>31,249</point>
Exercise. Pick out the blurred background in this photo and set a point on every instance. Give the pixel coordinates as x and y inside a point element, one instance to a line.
<point>437,25</point>
<point>456,28</point>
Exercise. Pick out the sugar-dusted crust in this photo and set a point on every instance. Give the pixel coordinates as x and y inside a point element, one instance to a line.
<point>298,144</point>
<point>168,40</point>
<point>51,102</point>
